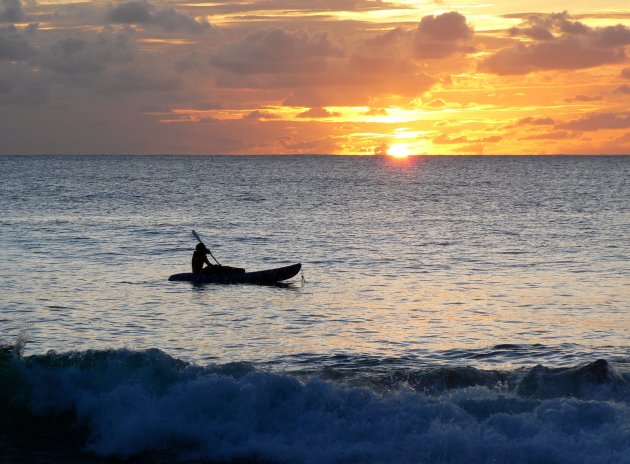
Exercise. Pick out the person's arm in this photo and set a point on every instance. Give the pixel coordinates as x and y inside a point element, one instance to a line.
<point>205,258</point>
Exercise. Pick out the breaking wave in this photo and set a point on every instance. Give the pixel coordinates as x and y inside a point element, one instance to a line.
<point>146,405</point>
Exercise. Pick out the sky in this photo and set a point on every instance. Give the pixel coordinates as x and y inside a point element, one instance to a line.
<point>357,77</point>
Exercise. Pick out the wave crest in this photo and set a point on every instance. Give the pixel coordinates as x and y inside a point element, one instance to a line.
<point>130,404</point>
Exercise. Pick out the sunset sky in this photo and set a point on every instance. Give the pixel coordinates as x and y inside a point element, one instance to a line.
<point>315,76</point>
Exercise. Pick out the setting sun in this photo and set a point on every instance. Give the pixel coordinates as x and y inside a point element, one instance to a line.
<point>399,150</point>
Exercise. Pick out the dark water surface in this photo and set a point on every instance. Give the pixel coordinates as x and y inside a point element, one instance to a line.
<point>452,306</point>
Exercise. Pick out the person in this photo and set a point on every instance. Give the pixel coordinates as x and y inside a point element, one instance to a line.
<point>199,258</point>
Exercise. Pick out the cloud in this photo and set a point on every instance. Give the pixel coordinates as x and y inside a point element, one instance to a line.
<point>20,86</point>
<point>558,135</point>
<point>599,121</point>
<point>11,11</point>
<point>584,98</point>
<point>260,115</point>
<point>446,140</point>
<point>564,53</point>
<point>312,6</point>
<point>534,32</point>
<point>541,26</point>
<point>612,36</point>
<point>76,65</point>
<point>133,12</point>
<point>623,89</point>
<point>435,37</point>
<point>15,44</point>
<point>134,81</point>
<point>447,27</point>
<point>143,12</point>
<point>442,36</point>
<point>317,113</point>
<point>535,121</point>
<point>89,53</point>
<point>625,73</point>
<point>276,50</point>
<point>566,45</point>
<point>322,145</point>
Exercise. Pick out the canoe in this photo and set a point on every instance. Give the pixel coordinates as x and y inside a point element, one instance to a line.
<point>266,277</point>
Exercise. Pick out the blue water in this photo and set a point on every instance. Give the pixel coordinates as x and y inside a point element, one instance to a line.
<point>452,309</point>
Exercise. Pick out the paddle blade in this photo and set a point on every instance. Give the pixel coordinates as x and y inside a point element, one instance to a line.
<point>196,235</point>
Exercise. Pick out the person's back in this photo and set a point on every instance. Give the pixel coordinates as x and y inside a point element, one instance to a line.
<point>199,258</point>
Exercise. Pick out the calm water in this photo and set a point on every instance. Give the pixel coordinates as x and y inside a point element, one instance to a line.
<point>429,283</point>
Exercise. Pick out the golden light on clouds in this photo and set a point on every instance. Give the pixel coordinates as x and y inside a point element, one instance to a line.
<point>332,76</point>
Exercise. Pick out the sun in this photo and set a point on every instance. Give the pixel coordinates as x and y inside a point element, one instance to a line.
<point>399,150</point>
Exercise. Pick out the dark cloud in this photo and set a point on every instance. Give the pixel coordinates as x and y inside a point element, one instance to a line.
<point>563,53</point>
<point>11,11</point>
<point>133,12</point>
<point>623,89</point>
<point>447,27</point>
<point>435,37</point>
<point>599,121</point>
<point>40,69</point>
<point>541,26</point>
<point>318,146</point>
<point>21,86</point>
<point>534,32</point>
<point>277,51</point>
<point>15,43</point>
<point>625,73</point>
<point>612,36</point>
<point>88,54</point>
<point>566,45</point>
<point>132,81</point>
<point>143,12</point>
<point>260,115</point>
<point>441,36</point>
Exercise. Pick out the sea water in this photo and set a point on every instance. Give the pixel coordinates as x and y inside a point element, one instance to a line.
<point>450,310</point>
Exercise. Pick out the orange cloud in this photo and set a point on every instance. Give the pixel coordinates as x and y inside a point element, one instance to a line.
<point>535,121</point>
<point>583,98</point>
<point>559,135</point>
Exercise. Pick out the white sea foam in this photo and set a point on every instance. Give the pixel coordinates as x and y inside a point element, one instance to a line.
<point>138,403</point>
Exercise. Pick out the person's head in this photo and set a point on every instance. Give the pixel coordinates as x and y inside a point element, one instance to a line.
<point>202,248</point>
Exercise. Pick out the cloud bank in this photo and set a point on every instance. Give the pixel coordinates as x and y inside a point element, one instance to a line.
<point>284,76</point>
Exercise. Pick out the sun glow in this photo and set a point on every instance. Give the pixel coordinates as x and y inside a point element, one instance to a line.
<point>399,150</point>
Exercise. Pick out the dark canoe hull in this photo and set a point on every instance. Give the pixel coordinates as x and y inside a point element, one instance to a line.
<point>266,277</point>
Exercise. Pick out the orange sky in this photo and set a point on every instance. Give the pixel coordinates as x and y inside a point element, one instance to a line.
<point>315,76</point>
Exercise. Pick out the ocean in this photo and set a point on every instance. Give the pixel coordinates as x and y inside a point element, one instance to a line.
<point>449,310</point>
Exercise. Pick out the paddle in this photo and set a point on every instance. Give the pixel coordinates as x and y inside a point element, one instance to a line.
<point>196,235</point>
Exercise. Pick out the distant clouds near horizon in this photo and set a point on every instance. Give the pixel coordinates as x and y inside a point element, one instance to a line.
<point>321,76</point>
